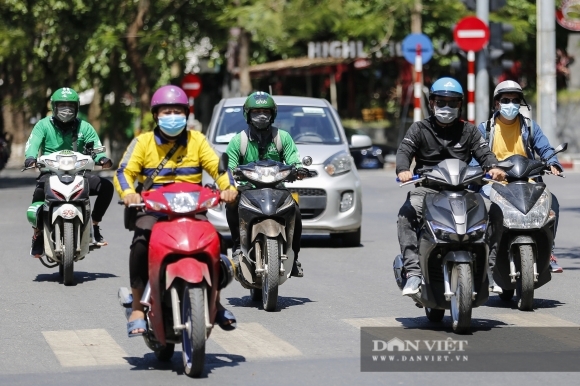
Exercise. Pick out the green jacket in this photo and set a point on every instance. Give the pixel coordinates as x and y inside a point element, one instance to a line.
<point>289,151</point>
<point>46,138</point>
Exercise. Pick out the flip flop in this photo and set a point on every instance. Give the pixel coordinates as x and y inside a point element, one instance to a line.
<point>224,316</point>
<point>134,325</point>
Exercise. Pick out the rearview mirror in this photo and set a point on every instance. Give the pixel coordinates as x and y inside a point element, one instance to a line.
<point>223,164</point>
<point>359,141</point>
<point>307,161</point>
<point>562,147</point>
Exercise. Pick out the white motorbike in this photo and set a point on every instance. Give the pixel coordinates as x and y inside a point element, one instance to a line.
<point>65,214</point>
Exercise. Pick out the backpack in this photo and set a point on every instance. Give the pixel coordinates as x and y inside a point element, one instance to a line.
<point>244,143</point>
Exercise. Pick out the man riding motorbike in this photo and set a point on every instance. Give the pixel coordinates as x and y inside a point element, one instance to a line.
<point>508,132</point>
<point>441,136</point>
<point>260,111</point>
<point>64,131</point>
<point>169,106</point>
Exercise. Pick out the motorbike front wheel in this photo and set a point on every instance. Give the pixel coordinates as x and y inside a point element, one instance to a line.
<point>525,288</point>
<point>68,253</point>
<point>271,278</point>
<point>194,334</point>
<point>462,288</point>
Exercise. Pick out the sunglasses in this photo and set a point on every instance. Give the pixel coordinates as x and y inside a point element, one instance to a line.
<point>442,103</point>
<point>505,101</point>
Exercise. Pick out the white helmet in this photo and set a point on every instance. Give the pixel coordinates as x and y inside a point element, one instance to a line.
<point>508,86</point>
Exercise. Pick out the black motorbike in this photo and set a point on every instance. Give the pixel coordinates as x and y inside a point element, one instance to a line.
<point>523,257</point>
<point>267,212</point>
<point>452,249</point>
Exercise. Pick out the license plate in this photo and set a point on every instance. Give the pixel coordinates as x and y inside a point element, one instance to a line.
<point>296,197</point>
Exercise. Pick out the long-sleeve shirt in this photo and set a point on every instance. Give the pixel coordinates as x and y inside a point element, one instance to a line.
<point>46,138</point>
<point>430,144</point>
<point>146,152</point>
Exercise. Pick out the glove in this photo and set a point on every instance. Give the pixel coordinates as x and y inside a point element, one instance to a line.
<point>28,162</point>
<point>105,161</point>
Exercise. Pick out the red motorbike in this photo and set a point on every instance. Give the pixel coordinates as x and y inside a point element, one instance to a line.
<point>186,271</point>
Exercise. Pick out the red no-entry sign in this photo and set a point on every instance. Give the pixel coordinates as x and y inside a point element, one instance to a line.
<point>191,84</point>
<point>471,34</point>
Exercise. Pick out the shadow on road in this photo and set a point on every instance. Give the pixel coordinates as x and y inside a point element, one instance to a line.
<point>79,277</point>
<point>283,302</point>
<point>212,361</point>
<point>422,323</point>
<point>15,182</point>
<point>496,302</point>
<point>571,253</point>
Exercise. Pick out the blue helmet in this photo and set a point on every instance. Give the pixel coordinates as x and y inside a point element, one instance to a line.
<point>447,87</point>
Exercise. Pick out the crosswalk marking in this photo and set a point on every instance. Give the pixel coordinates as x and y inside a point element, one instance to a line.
<point>85,348</point>
<point>533,319</point>
<point>253,341</point>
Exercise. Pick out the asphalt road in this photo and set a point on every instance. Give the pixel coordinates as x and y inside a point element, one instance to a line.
<point>55,335</point>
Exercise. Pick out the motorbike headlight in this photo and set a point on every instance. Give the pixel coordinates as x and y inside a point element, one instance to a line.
<point>182,202</point>
<point>513,218</point>
<point>210,203</point>
<point>442,231</point>
<point>51,163</point>
<point>156,205</point>
<point>477,231</point>
<point>81,163</point>
<point>338,164</point>
<point>66,162</point>
<point>266,174</point>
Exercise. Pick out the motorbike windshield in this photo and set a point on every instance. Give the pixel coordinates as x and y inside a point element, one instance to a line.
<point>523,167</point>
<point>306,125</point>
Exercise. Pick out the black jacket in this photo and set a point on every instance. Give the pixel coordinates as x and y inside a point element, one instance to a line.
<point>430,144</point>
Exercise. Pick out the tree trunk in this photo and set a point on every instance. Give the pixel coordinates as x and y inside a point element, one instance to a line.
<point>136,59</point>
<point>244,59</point>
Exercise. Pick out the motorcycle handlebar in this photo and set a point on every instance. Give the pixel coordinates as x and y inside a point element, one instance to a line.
<point>415,177</point>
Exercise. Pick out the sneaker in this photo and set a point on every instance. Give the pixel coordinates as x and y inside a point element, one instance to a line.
<point>554,265</point>
<point>297,269</point>
<point>37,248</point>
<point>413,285</point>
<point>492,286</point>
<point>98,237</point>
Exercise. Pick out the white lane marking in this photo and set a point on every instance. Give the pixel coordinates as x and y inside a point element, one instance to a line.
<point>85,348</point>
<point>253,341</point>
<point>532,319</point>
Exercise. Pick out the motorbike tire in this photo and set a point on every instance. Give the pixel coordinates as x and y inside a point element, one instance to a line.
<point>434,315</point>
<point>271,278</point>
<point>165,353</point>
<point>525,287</point>
<point>461,303</point>
<point>195,334</point>
<point>507,295</point>
<point>256,294</point>
<point>68,253</point>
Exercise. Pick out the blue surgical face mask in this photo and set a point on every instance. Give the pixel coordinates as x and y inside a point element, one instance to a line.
<point>509,110</point>
<point>172,125</point>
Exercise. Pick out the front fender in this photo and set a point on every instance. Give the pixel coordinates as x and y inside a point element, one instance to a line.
<point>66,211</point>
<point>189,269</point>
<point>268,227</point>
<point>458,257</point>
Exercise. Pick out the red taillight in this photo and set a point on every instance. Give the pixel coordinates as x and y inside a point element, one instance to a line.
<point>58,195</point>
<point>77,194</point>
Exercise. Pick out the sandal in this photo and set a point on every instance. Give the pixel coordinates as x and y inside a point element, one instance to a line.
<point>135,325</point>
<point>223,317</point>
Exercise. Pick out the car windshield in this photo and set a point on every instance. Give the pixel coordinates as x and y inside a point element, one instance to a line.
<point>306,124</point>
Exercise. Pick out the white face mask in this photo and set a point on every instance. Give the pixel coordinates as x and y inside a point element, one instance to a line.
<point>446,114</point>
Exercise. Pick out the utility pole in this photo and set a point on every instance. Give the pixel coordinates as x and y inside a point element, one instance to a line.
<point>482,112</point>
<point>546,65</point>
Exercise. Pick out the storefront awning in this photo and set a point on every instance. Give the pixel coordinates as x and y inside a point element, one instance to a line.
<point>288,66</point>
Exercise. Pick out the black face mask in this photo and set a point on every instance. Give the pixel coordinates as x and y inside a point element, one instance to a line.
<point>260,121</point>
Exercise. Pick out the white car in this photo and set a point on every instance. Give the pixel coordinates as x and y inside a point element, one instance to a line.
<point>330,203</point>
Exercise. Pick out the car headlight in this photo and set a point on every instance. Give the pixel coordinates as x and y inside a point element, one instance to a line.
<point>182,202</point>
<point>338,164</point>
<point>66,162</point>
<point>513,218</point>
<point>267,174</point>
<point>442,231</point>
<point>477,231</point>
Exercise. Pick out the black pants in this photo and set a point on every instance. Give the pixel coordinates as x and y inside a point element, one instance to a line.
<point>233,217</point>
<point>99,186</point>
<point>410,220</point>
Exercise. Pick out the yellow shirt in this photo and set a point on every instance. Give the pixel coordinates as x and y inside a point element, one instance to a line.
<point>507,140</point>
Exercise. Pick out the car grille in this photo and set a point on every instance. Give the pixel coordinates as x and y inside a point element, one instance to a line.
<point>312,202</point>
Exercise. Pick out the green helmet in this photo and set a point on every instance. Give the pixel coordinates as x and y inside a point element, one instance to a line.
<point>65,94</point>
<point>259,100</point>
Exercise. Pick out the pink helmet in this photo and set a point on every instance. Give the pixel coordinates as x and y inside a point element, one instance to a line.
<point>169,95</point>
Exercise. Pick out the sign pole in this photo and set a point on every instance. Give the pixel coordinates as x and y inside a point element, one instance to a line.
<point>191,118</point>
<point>471,86</point>
<point>418,84</point>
